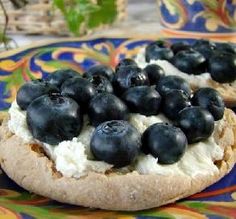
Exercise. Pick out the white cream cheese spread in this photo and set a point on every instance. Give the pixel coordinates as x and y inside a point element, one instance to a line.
<point>74,159</point>
<point>197,80</point>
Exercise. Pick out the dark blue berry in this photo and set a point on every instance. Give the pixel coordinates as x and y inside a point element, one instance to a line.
<point>58,77</point>
<point>222,67</point>
<point>80,89</point>
<point>173,102</point>
<point>165,142</point>
<point>154,73</point>
<point>205,47</point>
<point>190,62</point>
<point>197,123</point>
<point>226,47</point>
<point>211,100</point>
<point>104,107</point>
<point>115,142</point>
<point>129,76</point>
<point>180,46</point>
<point>31,90</point>
<point>102,70</point>
<point>101,84</point>
<point>53,118</point>
<point>125,62</point>
<point>157,50</point>
<point>143,99</point>
<point>171,82</point>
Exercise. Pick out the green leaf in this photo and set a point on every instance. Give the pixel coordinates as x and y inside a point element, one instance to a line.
<point>60,4</point>
<point>105,15</point>
<point>77,12</point>
<point>87,8</point>
<point>74,20</point>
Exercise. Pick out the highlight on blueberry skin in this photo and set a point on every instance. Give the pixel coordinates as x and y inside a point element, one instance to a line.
<point>211,100</point>
<point>32,90</point>
<point>101,84</point>
<point>129,76</point>
<point>125,62</point>
<point>172,82</point>
<point>80,89</point>
<point>53,118</point>
<point>197,123</point>
<point>104,107</point>
<point>205,47</point>
<point>158,51</point>
<point>190,62</point>
<point>165,142</point>
<point>154,73</point>
<point>58,77</point>
<point>180,46</point>
<point>116,142</point>
<point>102,70</point>
<point>143,99</point>
<point>173,102</point>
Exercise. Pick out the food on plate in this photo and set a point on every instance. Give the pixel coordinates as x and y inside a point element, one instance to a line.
<point>128,139</point>
<point>202,64</point>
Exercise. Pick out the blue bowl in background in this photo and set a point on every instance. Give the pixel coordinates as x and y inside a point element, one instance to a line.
<point>202,16</point>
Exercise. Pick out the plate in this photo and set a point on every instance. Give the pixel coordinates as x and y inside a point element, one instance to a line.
<point>16,67</point>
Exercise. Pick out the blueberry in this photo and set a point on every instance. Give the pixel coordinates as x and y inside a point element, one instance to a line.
<point>157,50</point>
<point>58,77</point>
<point>104,107</point>
<point>125,62</point>
<point>234,109</point>
<point>197,123</point>
<point>143,99</point>
<point>205,47</point>
<point>53,118</point>
<point>190,62</point>
<point>80,89</point>
<point>164,141</point>
<point>101,84</point>
<point>171,82</point>
<point>222,67</point>
<point>173,102</point>
<point>160,43</point>
<point>180,46</point>
<point>226,47</point>
<point>115,142</point>
<point>31,90</point>
<point>129,76</point>
<point>154,73</point>
<point>103,70</point>
<point>211,100</point>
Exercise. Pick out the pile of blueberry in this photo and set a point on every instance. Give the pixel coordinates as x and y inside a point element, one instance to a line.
<point>219,59</point>
<point>55,108</point>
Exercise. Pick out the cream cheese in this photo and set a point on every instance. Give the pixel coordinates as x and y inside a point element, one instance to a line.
<point>74,159</point>
<point>197,80</point>
<point>71,160</point>
<point>141,122</point>
<point>17,123</point>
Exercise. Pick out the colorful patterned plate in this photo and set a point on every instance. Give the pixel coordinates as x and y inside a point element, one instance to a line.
<point>218,201</point>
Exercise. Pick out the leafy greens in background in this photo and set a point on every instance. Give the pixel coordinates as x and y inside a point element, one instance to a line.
<point>89,13</point>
